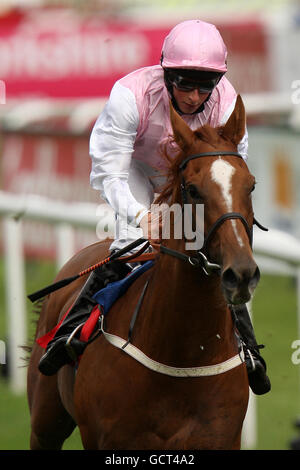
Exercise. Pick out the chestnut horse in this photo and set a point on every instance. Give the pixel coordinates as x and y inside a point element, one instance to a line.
<point>192,390</point>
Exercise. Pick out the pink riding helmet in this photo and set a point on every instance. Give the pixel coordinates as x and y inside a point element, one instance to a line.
<point>194,44</point>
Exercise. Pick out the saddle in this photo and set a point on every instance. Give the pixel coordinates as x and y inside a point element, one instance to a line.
<point>106,297</point>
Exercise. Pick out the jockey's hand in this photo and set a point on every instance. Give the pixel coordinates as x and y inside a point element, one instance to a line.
<point>151,224</point>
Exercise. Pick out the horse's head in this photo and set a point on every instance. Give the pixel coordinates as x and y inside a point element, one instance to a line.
<point>223,184</point>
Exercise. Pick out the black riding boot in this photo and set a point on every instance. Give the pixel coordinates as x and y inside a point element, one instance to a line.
<point>61,349</point>
<point>256,367</point>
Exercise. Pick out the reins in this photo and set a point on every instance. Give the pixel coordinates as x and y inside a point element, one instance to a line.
<point>197,260</point>
<point>64,282</point>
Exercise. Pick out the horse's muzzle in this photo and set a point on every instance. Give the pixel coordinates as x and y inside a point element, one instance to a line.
<point>239,282</point>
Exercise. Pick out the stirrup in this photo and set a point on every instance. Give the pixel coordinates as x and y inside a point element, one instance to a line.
<point>71,352</point>
<point>259,382</point>
<point>249,356</point>
<point>252,357</point>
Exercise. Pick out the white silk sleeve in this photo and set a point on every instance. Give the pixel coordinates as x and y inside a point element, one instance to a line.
<point>111,147</point>
<point>243,145</point>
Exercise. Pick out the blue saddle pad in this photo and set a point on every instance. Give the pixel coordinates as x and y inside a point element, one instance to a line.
<point>107,296</point>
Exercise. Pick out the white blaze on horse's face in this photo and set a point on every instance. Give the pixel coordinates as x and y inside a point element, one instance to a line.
<point>222,173</point>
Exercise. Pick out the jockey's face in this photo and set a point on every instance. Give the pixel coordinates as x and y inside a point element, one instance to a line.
<point>188,101</point>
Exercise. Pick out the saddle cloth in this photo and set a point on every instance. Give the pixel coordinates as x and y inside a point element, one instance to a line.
<point>107,297</point>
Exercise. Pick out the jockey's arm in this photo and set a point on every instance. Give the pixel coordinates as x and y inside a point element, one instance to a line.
<point>243,145</point>
<point>111,147</point>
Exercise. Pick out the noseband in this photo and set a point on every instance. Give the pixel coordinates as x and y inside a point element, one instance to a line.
<point>201,258</point>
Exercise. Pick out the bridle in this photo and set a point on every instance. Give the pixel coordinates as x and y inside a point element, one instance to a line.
<point>200,259</point>
<point>197,260</point>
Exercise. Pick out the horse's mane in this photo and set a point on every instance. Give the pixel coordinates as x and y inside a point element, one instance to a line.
<point>169,191</point>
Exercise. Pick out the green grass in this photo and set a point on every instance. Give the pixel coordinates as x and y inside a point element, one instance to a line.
<point>14,412</point>
<point>275,321</point>
<point>15,423</point>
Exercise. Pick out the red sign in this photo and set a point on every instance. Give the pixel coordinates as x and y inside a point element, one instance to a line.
<point>57,53</point>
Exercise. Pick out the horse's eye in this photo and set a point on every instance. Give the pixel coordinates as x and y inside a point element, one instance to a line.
<point>193,191</point>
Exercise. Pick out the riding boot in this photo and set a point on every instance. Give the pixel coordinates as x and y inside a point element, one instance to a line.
<point>66,346</point>
<point>256,367</point>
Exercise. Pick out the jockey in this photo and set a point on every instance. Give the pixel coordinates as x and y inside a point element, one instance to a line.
<point>125,148</point>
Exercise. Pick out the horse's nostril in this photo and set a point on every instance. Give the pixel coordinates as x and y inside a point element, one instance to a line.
<point>255,278</point>
<point>239,284</point>
<point>230,279</point>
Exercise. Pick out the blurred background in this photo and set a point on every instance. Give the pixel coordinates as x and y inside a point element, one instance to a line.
<point>58,63</point>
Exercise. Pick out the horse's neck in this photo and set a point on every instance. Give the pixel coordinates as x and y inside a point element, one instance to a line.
<point>185,311</point>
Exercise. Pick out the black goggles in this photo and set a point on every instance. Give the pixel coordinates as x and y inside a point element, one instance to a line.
<point>205,83</point>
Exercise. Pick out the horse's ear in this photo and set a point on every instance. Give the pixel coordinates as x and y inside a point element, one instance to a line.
<point>183,134</point>
<point>234,128</point>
